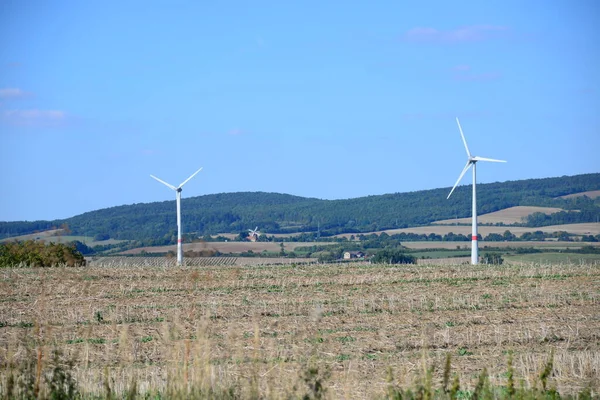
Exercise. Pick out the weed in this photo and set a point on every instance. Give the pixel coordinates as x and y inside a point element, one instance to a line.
<point>464,352</point>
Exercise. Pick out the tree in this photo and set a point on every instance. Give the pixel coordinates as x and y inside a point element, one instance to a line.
<point>282,251</point>
<point>392,256</point>
<point>494,237</point>
<point>101,237</point>
<point>509,236</point>
<point>82,247</point>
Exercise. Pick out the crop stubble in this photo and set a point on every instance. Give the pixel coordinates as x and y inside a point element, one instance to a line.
<point>231,325</point>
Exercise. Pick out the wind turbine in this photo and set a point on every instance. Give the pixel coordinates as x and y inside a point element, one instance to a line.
<point>178,196</point>
<point>471,161</point>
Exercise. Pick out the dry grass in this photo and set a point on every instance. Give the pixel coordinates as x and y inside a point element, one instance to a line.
<point>508,216</point>
<point>162,262</point>
<point>592,194</point>
<point>258,327</point>
<point>588,228</point>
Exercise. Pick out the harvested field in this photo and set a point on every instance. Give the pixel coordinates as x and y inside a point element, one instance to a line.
<point>508,216</point>
<point>482,244</point>
<point>589,228</point>
<point>592,194</point>
<point>260,331</point>
<point>228,247</point>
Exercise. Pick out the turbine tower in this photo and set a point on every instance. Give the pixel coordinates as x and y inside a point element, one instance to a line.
<point>178,196</point>
<point>471,161</point>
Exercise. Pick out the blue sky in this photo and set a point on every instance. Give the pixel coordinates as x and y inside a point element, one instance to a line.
<point>329,99</point>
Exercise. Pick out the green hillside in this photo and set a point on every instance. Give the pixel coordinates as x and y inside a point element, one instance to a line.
<point>281,213</point>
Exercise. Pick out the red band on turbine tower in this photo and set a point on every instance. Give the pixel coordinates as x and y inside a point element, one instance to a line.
<point>474,237</point>
<point>179,240</point>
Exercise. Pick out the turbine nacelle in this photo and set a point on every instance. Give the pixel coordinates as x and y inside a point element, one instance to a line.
<point>180,187</point>
<point>471,160</point>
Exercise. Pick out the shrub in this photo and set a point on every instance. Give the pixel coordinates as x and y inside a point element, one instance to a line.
<point>388,256</point>
<point>39,254</point>
<point>492,258</point>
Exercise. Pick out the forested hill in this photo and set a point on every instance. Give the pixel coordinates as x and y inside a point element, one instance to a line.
<point>281,213</point>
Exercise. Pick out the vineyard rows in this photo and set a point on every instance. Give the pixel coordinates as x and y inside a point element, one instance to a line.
<point>160,261</point>
<point>191,261</point>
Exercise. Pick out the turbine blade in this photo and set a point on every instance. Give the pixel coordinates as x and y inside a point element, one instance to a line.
<point>186,181</point>
<point>256,229</point>
<point>459,178</point>
<point>164,183</point>
<point>487,159</point>
<point>463,138</point>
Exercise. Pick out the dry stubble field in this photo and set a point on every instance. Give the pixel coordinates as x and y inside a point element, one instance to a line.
<point>259,328</point>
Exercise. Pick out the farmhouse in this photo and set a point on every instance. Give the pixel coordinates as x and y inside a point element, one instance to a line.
<point>353,254</point>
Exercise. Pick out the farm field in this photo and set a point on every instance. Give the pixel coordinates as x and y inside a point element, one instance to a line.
<point>507,216</point>
<point>55,236</point>
<point>554,258</point>
<point>269,330</point>
<point>117,262</point>
<point>483,244</point>
<point>592,194</point>
<point>229,247</point>
<point>588,228</point>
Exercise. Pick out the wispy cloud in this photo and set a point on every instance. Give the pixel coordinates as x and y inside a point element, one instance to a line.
<point>473,33</point>
<point>34,117</point>
<point>13,93</point>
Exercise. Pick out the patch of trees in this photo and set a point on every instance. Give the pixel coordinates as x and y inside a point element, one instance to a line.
<point>282,213</point>
<point>587,210</point>
<point>392,256</point>
<point>39,254</point>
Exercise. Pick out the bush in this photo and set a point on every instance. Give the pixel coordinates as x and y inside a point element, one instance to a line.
<point>492,258</point>
<point>389,256</point>
<point>39,254</point>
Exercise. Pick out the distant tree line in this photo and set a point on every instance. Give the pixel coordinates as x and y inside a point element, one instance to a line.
<point>155,223</point>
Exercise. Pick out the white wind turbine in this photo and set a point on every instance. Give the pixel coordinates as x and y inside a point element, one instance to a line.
<point>178,196</point>
<point>471,161</point>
